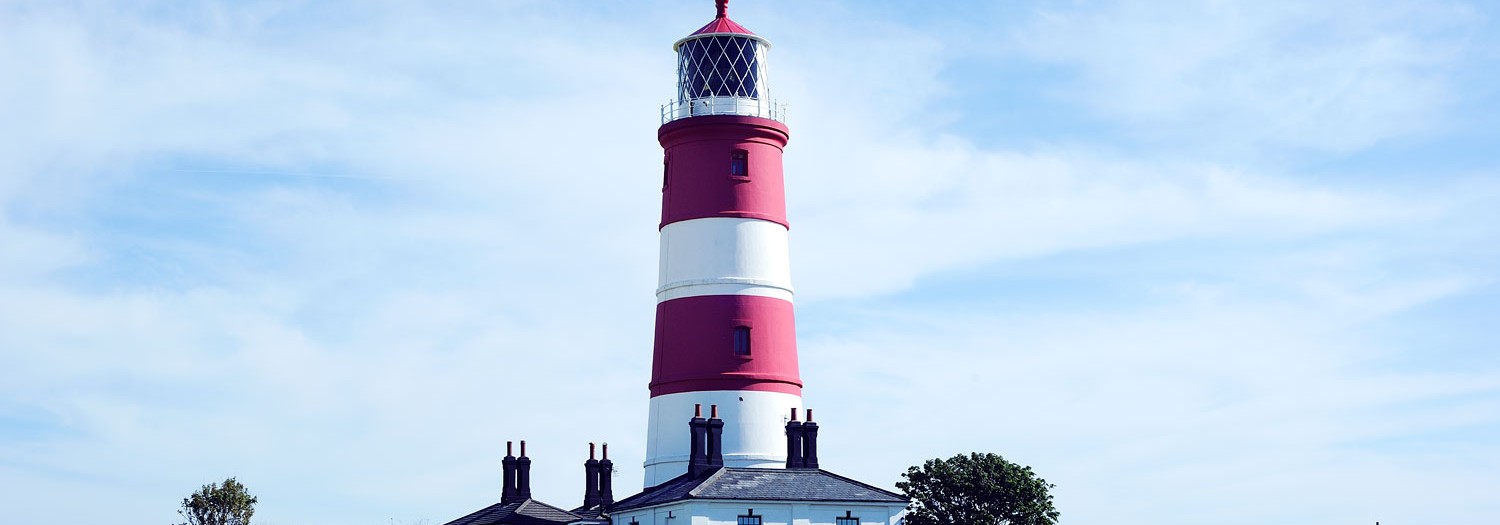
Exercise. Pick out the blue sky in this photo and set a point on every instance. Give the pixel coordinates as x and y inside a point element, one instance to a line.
<point>1228,262</point>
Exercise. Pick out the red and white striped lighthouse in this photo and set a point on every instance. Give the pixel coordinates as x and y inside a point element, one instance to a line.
<point>725,334</point>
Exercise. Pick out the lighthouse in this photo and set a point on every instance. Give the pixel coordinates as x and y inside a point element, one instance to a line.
<point>725,335</point>
<point>724,442</point>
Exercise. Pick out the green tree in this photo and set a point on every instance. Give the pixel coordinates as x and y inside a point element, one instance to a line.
<point>977,489</point>
<point>215,504</point>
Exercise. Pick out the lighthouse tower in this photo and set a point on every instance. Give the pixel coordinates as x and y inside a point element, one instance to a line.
<point>725,335</point>
<point>724,443</point>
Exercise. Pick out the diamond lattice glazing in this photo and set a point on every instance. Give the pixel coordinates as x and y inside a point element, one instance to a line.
<point>721,66</point>
<point>722,74</point>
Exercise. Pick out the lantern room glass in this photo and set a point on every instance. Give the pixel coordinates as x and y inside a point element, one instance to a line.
<point>722,74</point>
<point>720,66</point>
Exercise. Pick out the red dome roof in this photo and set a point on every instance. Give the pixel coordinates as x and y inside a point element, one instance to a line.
<point>722,23</point>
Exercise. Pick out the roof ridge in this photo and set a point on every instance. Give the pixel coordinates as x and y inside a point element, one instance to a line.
<point>718,473</point>
<point>863,484</point>
<point>530,501</point>
<point>495,508</point>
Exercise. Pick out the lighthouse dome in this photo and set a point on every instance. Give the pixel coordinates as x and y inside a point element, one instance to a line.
<point>721,25</point>
<point>721,70</point>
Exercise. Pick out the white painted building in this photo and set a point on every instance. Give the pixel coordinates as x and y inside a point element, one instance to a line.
<point>743,496</point>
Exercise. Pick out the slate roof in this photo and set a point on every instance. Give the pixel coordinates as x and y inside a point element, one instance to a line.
<point>593,513</point>
<point>527,512</point>
<point>759,484</point>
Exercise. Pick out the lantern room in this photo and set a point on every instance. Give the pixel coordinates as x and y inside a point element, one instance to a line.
<point>721,70</point>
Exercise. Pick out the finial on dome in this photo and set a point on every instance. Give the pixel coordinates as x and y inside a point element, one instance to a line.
<point>723,6</point>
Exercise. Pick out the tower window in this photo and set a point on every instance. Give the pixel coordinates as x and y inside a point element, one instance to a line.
<point>742,340</point>
<point>666,172</point>
<point>739,164</point>
<point>749,518</point>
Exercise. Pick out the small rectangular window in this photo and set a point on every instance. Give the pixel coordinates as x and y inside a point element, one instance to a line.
<point>739,164</point>
<point>666,172</point>
<point>741,340</point>
<point>846,521</point>
<point>749,518</point>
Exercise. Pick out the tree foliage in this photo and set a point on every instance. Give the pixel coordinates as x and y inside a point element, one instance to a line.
<point>215,504</point>
<point>977,489</point>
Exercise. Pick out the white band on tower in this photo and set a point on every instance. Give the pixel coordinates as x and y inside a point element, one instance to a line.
<point>724,256</point>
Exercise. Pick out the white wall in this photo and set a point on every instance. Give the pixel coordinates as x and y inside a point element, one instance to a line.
<point>707,512</point>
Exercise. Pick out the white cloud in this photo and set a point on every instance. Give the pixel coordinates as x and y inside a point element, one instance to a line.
<point>179,278</point>
<point>1217,407</point>
<point>1329,76</point>
<point>914,211</point>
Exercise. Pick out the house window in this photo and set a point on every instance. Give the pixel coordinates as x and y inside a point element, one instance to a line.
<point>739,164</point>
<point>749,518</point>
<point>846,520</point>
<point>742,340</point>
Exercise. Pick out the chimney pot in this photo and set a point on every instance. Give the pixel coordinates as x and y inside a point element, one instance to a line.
<point>697,449</point>
<point>591,480</point>
<point>606,479</point>
<point>508,477</point>
<point>794,442</point>
<point>523,475</point>
<point>809,443</point>
<point>715,442</point>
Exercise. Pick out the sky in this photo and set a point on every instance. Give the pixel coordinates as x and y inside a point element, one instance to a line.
<point>1219,261</point>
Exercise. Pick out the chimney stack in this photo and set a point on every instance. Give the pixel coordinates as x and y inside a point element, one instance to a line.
<point>606,479</point>
<point>802,442</point>
<point>715,438</point>
<point>508,492</point>
<point>523,475</point>
<point>697,456</point>
<point>809,442</point>
<point>590,480</point>
<point>794,442</point>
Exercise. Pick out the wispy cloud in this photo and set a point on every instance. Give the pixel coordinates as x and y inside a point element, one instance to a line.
<point>1331,76</point>
<point>344,251</point>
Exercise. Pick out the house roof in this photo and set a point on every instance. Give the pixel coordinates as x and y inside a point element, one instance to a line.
<point>593,512</point>
<point>760,484</point>
<point>527,512</point>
